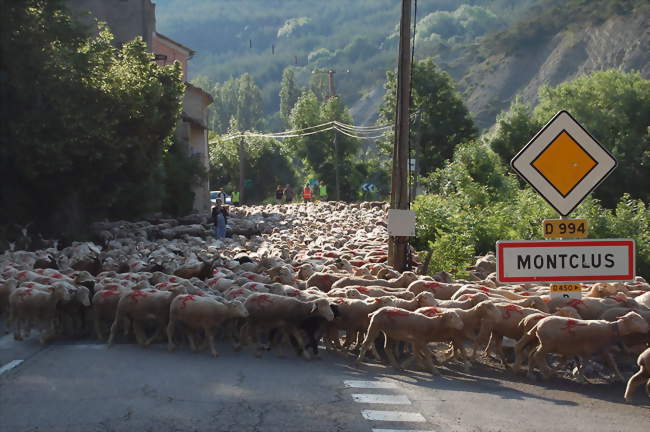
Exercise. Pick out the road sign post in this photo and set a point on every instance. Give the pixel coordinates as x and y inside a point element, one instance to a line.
<point>564,164</point>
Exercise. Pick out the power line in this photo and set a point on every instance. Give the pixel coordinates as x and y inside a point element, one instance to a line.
<point>344,128</point>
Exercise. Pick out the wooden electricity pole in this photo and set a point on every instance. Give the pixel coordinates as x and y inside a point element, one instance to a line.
<point>397,246</point>
<point>332,92</point>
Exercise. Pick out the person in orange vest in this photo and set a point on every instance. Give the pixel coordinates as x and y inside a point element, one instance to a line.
<point>306,193</point>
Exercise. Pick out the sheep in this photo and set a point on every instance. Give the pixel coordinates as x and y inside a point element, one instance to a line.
<point>473,319</point>
<point>353,319</point>
<point>324,281</point>
<point>370,291</point>
<point>104,304</point>
<point>201,312</point>
<point>591,308</point>
<point>466,301</point>
<point>572,337</point>
<point>401,325</point>
<point>442,291</point>
<point>273,311</point>
<point>32,304</point>
<point>401,282</point>
<point>638,378</point>
<point>142,306</point>
<point>644,299</point>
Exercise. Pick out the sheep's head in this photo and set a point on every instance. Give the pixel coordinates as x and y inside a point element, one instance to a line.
<point>238,309</point>
<point>487,309</point>
<point>631,323</point>
<point>426,298</point>
<point>322,307</point>
<point>82,295</point>
<point>453,320</point>
<point>60,292</point>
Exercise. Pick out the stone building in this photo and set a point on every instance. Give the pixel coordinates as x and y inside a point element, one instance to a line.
<point>128,19</point>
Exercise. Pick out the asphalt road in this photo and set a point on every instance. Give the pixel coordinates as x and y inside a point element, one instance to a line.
<point>83,386</point>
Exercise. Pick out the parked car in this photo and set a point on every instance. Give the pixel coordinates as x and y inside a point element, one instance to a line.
<point>225,198</point>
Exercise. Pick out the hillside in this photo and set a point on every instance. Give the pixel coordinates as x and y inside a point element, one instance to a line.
<point>358,39</point>
<point>494,49</point>
<point>617,42</point>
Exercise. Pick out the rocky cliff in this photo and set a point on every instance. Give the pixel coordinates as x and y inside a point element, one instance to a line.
<point>620,42</point>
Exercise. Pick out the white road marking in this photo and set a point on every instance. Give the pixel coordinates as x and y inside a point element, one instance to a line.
<point>381,399</point>
<point>86,346</point>
<point>9,366</point>
<point>400,430</point>
<point>369,384</point>
<point>392,416</point>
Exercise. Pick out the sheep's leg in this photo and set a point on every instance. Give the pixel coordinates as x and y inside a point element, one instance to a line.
<point>140,335</point>
<point>459,347</point>
<point>98,326</point>
<point>301,343</point>
<point>209,335</point>
<point>427,355</point>
<point>519,351</point>
<point>612,364</point>
<point>539,357</point>
<point>634,381</point>
<point>157,333</point>
<point>171,327</point>
<point>581,369</point>
<point>243,336</point>
<point>371,335</point>
<point>114,329</point>
<point>390,347</point>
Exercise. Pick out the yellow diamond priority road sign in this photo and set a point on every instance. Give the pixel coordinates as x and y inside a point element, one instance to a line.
<point>563,163</point>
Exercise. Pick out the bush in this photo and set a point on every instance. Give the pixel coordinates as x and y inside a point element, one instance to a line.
<point>474,203</point>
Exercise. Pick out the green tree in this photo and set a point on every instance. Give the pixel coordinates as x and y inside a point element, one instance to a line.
<point>289,94</point>
<point>514,128</point>
<point>442,121</point>
<point>84,125</point>
<point>318,151</point>
<point>614,107</point>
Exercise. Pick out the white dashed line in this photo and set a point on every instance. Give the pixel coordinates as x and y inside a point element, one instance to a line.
<point>381,399</point>
<point>400,430</point>
<point>396,416</point>
<point>9,366</point>
<point>369,384</point>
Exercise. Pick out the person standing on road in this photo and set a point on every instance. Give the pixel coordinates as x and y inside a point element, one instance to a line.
<point>322,191</point>
<point>306,193</point>
<point>279,194</point>
<point>235,198</point>
<point>288,194</point>
<point>220,219</point>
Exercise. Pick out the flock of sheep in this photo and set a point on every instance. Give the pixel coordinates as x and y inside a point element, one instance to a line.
<point>303,274</point>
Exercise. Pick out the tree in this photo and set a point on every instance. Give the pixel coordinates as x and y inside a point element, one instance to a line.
<point>513,130</point>
<point>442,120</point>
<point>614,107</point>
<point>84,124</point>
<point>318,151</point>
<point>289,94</point>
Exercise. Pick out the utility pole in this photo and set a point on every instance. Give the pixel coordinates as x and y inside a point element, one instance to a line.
<point>332,92</point>
<point>242,169</point>
<point>399,186</point>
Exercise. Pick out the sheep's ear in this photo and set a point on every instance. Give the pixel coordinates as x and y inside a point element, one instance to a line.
<point>314,308</point>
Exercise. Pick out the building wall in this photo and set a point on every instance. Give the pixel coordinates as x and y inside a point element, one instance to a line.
<point>173,54</point>
<point>127,19</point>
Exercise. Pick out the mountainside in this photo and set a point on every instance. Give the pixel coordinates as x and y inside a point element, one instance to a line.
<point>620,42</point>
<point>494,49</point>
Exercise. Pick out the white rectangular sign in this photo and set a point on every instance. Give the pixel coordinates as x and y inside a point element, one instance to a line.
<point>401,223</point>
<point>565,261</point>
